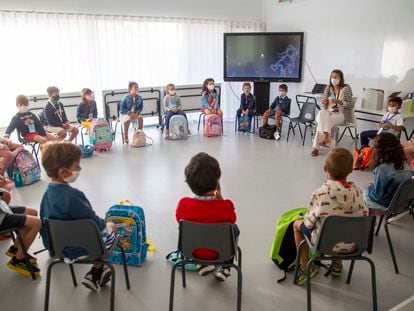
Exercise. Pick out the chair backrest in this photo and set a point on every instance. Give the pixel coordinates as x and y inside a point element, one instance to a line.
<point>82,233</point>
<point>402,199</point>
<point>219,237</point>
<point>308,112</point>
<point>337,229</point>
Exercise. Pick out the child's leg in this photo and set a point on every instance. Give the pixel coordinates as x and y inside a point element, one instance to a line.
<point>140,122</point>
<point>40,139</point>
<point>126,129</point>
<point>299,238</point>
<point>5,195</point>
<point>278,117</point>
<point>207,111</point>
<point>73,133</point>
<point>6,157</point>
<point>266,116</point>
<point>168,115</point>
<point>62,134</point>
<point>28,232</point>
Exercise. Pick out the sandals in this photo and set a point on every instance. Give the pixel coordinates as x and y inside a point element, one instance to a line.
<point>325,144</point>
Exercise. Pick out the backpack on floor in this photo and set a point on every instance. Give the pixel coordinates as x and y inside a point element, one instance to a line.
<point>87,150</point>
<point>362,157</point>
<point>178,127</point>
<point>100,134</point>
<point>267,131</point>
<point>213,126</point>
<point>176,256</point>
<point>24,170</point>
<point>140,139</point>
<point>283,252</point>
<point>130,224</point>
<point>244,123</point>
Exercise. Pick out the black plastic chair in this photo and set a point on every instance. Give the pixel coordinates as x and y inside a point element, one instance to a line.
<point>84,234</point>
<point>306,117</point>
<point>402,201</point>
<point>15,231</point>
<point>219,237</point>
<point>358,231</point>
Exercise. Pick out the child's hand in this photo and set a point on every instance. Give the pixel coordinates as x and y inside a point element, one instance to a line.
<point>369,185</point>
<point>325,101</point>
<point>385,125</point>
<point>110,226</point>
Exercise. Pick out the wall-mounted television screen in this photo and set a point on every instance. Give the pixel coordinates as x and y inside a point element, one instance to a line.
<point>271,56</point>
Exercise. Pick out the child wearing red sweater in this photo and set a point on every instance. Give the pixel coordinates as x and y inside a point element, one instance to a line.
<point>208,206</point>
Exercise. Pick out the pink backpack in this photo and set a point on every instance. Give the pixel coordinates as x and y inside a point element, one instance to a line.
<point>101,135</point>
<point>213,126</point>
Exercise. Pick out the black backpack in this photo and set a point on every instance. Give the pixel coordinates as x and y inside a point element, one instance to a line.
<point>267,131</point>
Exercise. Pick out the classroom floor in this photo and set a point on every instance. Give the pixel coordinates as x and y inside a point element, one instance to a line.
<point>263,178</point>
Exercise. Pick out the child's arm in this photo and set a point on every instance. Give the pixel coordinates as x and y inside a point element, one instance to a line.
<point>95,110</point>
<point>204,101</point>
<point>286,105</point>
<point>274,103</point>
<point>38,126</point>
<point>179,104</point>
<point>140,105</point>
<point>12,126</point>
<point>64,117</point>
<point>123,109</point>
<point>82,209</point>
<point>79,113</point>
<point>167,103</point>
<point>50,116</point>
<point>252,103</point>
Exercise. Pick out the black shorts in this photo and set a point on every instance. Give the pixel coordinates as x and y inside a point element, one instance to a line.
<point>17,220</point>
<point>306,231</point>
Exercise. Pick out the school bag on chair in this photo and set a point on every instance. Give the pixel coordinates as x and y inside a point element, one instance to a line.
<point>213,126</point>
<point>130,224</point>
<point>267,131</point>
<point>100,134</point>
<point>178,127</point>
<point>140,139</point>
<point>24,170</point>
<point>283,251</point>
<point>244,123</point>
<point>362,157</point>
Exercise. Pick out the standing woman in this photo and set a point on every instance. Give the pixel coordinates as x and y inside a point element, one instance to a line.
<point>87,108</point>
<point>336,96</point>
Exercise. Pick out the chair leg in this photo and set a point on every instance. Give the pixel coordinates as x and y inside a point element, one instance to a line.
<point>387,233</point>
<point>373,282</point>
<point>379,225</point>
<point>26,256</point>
<point>304,135</point>
<point>199,121</point>
<point>172,285</point>
<point>128,286</point>
<point>239,286</point>
<point>72,273</point>
<point>351,269</point>
<point>289,128</point>
<point>48,277</point>
<point>183,263</point>
<point>295,276</point>
<point>112,303</point>
<point>308,284</point>
<point>239,257</point>
<point>343,133</point>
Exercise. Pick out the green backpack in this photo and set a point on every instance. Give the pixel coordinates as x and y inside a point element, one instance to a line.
<point>283,252</point>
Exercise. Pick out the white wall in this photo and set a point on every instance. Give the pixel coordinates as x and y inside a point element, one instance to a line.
<point>372,41</point>
<point>216,9</point>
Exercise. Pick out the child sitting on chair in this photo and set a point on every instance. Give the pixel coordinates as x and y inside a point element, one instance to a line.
<point>202,175</point>
<point>210,101</point>
<point>172,106</point>
<point>28,223</point>
<point>55,115</point>
<point>130,109</point>
<point>392,122</point>
<point>390,170</point>
<point>61,162</point>
<point>27,124</point>
<point>247,103</point>
<point>336,196</point>
<point>279,107</point>
<point>87,108</point>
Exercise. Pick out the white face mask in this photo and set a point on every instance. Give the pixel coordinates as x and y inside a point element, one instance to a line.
<point>23,109</point>
<point>282,94</point>
<point>210,87</point>
<point>72,178</point>
<point>172,93</point>
<point>392,109</point>
<point>335,82</point>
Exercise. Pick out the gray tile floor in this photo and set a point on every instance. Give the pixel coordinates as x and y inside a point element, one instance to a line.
<point>263,178</point>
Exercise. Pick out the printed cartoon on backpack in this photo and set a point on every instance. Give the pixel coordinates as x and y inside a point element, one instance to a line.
<point>24,170</point>
<point>213,126</point>
<point>178,127</point>
<point>100,134</point>
<point>244,123</point>
<point>130,225</point>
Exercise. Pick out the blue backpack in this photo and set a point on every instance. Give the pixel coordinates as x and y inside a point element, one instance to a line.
<point>130,223</point>
<point>244,125</point>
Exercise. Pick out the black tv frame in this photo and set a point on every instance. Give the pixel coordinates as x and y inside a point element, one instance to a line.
<point>269,79</point>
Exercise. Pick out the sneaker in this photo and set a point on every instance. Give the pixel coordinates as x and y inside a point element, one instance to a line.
<point>90,281</point>
<point>21,267</point>
<point>277,135</point>
<point>205,270</point>
<point>336,269</point>
<point>105,276</point>
<point>221,274</point>
<point>302,275</point>
<point>11,252</point>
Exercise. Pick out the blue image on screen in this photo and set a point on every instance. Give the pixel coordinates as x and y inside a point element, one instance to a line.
<point>287,63</point>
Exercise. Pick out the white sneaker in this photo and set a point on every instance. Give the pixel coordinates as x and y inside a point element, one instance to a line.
<point>221,274</point>
<point>205,270</point>
<point>277,135</point>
